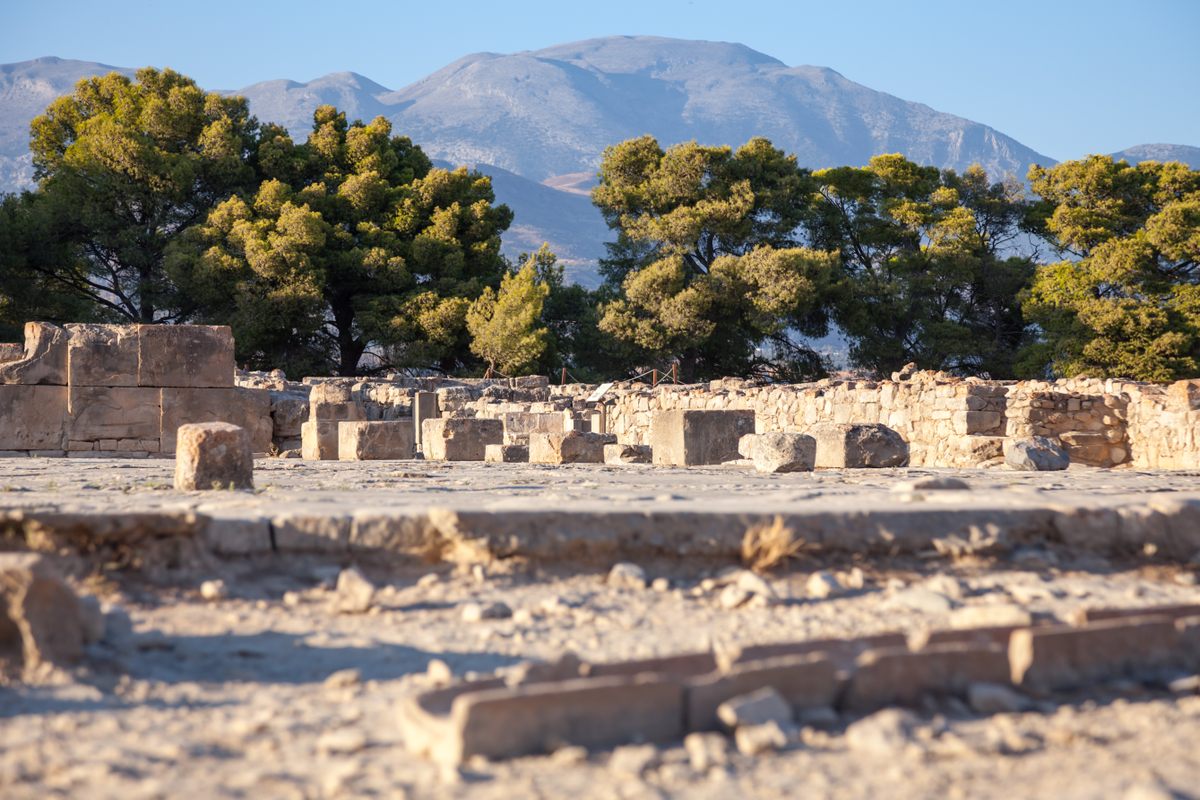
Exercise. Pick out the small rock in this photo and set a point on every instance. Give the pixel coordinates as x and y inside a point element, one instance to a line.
<point>439,672</point>
<point>343,742</point>
<point>821,585</point>
<point>1186,685</point>
<point>706,750</point>
<point>354,593</point>
<point>733,596</point>
<point>946,585</point>
<point>566,756</point>
<point>427,580</point>
<point>661,585</point>
<point>854,579</point>
<point>475,612</point>
<point>994,615</point>
<point>992,698</point>
<point>883,733</point>
<point>782,452</point>
<point>754,584</point>
<point>931,483</point>
<point>918,598</point>
<point>624,575</point>
<point>523,616</point>
<point>754,739</point>
<point>213,590</point>
<point>757,708</point>
<point>342,679</point>
<point>292,599</point>
<point>633,759</point>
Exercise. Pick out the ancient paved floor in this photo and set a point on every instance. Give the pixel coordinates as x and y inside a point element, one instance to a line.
<point>268,692</point>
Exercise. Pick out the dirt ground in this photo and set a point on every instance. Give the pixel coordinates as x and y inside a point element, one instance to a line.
<point>261,687</point>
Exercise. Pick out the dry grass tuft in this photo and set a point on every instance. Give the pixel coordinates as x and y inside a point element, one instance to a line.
<point>766,546</point>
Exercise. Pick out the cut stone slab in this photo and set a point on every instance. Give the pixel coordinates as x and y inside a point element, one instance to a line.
<point>506,453</point>
<point>459,438</point>
<point>519,424</point>
<point>102,355</point>
<point>781,452</point>
<point>213,455</point>
<point>196,356</point>
<point>41,619</point>
<point>572,447</point>
<point>33,417</point>
<point>119,412</point>
<point>373,441</point>
<point>1063,657</point>
<point>691,437</point>
<point>334,402</point>
<point>627,454</point>
<point>1036,454</point>
<point>246,408</point>
<point>898,676</point>
<point>319,440</point>
<point>43,360</point>
<point>858,446</point>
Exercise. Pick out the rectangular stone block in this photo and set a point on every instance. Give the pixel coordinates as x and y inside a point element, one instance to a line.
<point>898,676</point>
<point>858,446</point>
<point>806,681</point>
<point>518,425</point>
<point>1063,657</point>
<point>33,417</point>
<point>193,356</point>
<point>118,412</point>
<point>249,409</point>
<point>102,355</point>
<point>319,441</point>
<point>626,454</point>
<point>459,438</point>
<point>375,441</point>
<point>542,717</point>
<point>692,437</point>
<point>506,453</point>
<point>572,447</point>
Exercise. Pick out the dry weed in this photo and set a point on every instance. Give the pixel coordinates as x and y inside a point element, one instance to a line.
<point>766,546</point>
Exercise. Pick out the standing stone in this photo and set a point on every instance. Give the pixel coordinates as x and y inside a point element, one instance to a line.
<point>425,406</point>
<point>213,455</point>
<point>459,438</point>
<point>1036,454</point>
<point>372,441</point>
<point>682,437</point>
<point>857,446</point>
<point>185,355</point>
<point>41,619</point>
<point>783,452</point>
<point>572,447</point>
<point>44,360</point>
<point>319,440</point>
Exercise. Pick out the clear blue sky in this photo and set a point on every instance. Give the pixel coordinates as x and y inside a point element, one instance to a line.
<point>1066,77</point>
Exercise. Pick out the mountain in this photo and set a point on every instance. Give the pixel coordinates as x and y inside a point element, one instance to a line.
<point>1161,152</point>
<point>26,88</point>
<point>538,121</point>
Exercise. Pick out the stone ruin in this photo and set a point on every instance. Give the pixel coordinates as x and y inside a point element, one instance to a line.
<point>123,390</point>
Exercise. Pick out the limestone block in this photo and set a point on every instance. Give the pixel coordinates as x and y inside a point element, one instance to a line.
<point>459,438</point>
<point>627,454</point>
<point>44,358</point>
<point>854,446</point>
<point>118,412</point>
<point>1184,395</point>
<point>41,619</point>
<point>102,355</point>
<point>33,417</point>
<point>1087,447</point>
<point>1064,657</point>
<point>518,425</point>
<point>335,402</point>
<point>196,356</point>
<point>1035,454</point>
<point>506,453</point>
<point>572,447</point>
<point>374,441</point>
<point>319,440</point>
<point>247,408</point>
<point>289,410</point>
<point>425,406</point>
<point>693,437</point>
<point>783,452</point>
<point>213,455</point>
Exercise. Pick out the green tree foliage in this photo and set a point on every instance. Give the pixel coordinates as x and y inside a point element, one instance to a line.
<point>352,240</point>
<point>123,166</point>
<point>506,325</point>
<point>707,258</point>
<point>924,277</point>
<point>1126,301</point>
